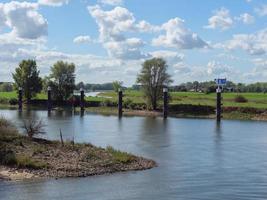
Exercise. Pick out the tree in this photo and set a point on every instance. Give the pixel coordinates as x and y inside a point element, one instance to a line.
<point>27,77</point>
<point>62,80</point>
<point>117,85</point>
<point>80,85</point>
<point>6,87</point>
<point>153,78</point>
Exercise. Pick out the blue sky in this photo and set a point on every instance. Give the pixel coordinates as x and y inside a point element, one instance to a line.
<point>110,39</point>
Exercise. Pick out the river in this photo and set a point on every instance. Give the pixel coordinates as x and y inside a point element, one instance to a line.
<point>197,159</point>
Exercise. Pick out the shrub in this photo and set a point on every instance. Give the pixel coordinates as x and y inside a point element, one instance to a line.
<point>13,101</point>
<point>23,161</point>
<point>7,157</point>
<point>128,103</point>
<point>6,129</point>
<point>108,103</point>
<point>118,156</point>
<point>240,99</point>
<point>33,127</point>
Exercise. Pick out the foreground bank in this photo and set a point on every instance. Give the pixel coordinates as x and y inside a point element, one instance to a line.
<point>22,157</point>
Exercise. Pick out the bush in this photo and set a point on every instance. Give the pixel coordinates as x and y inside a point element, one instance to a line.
<point>240,99</point>
<point>128,103</point>
<point>108,103</point>
<point>13,101</point>
<point>23,161</point>
<point>33,127</point>
<point>7,157</point>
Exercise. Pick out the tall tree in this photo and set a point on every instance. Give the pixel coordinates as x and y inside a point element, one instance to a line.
<point>153,78</point>
<point>62,80</point>
<point>27,77</point>
<point>117,85</point>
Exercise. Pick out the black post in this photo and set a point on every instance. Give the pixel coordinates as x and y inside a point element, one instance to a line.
<point>120,103</point>
<point>20,98</point>
<point>219,104</point>
<point>82,99</point>
<point>165,103</point>
<point>49,99</point>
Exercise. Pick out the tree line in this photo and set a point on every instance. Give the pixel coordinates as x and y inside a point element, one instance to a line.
<point>210,87</point>
<point>151,80</point>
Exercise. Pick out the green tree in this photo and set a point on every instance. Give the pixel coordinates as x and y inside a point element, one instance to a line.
<point>117,85</point>
<point>6,87</point>
<point>153,78</point>
<point>62,80</point>
<point>27,77</point>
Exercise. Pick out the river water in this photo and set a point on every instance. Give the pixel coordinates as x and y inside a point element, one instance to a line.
<point>197,159</point>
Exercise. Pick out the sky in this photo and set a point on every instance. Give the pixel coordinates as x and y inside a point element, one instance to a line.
<point>110,39</point>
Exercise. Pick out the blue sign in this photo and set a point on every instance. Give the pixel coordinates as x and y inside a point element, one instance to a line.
<point>221,81</point>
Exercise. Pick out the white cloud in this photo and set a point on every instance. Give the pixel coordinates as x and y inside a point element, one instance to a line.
<point>254,44</point>
<point>112,23</point>
<point>24,19</point>
<point>82,39</point>
<point>221,20</point>
<point>172,57</point>
<point>178,36</point>
<point>246,18</point>
<point>53,2</point>
<point>217,69</point>
<point>128,49</point>
<point>262,10</point>
<point>112,2</point>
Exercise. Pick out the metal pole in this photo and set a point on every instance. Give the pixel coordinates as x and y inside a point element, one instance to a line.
<point>165,103</point>
<point>20,98</point>
<point>219,104</point>
<point>49,99</point>
<point>120,103</point>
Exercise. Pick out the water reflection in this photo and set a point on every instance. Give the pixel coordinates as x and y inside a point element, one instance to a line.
<point>198,159</point>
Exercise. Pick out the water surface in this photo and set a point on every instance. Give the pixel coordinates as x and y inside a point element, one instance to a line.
<point>197,159</point>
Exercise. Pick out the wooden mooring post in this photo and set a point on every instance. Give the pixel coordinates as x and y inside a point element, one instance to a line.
<point>165,103</point>
<point>49,99</point>
<point>219,104</point>
<point>20,98</point>
<point>120,103</point>
<point>82,99</point>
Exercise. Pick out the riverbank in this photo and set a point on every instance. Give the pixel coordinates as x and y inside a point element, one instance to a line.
<point>24,158</point>
<point>230,114</point>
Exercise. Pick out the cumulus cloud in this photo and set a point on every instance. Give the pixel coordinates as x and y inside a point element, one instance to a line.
<point>217,69</point>
<point>24,20</point>
<point>178,36</point>
<point>262,10</point>
<point>220,20</point>
<point>112,2</point>
<point>113,26</point>
<point>246,18</point>
<point>53,2</point>
<point>172,57</point>
<point>128,49</point>
<point>254,44</point>
<point>82,39</point>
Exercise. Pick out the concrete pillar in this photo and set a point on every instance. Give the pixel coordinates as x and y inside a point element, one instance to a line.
<point>120,103</point>
<point>20,98</point>
<point>165,103</point>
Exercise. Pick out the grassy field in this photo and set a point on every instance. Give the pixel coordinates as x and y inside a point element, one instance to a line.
<point>255,100</point>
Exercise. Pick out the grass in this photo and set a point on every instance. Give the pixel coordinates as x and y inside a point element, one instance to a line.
<point>119,156</point>
<point>255,100</point>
